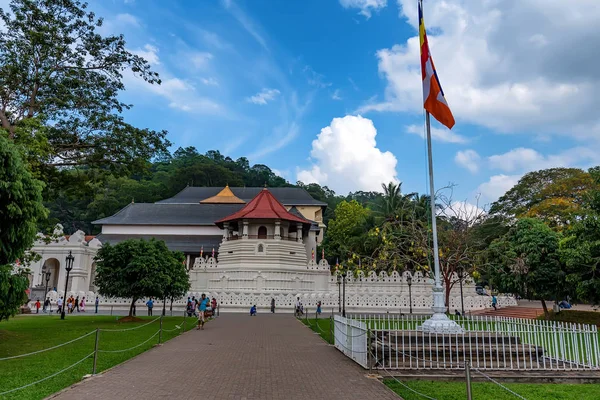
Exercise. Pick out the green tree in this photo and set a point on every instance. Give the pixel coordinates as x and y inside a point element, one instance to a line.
<point>20,209</point>
<point>526,261</point>
<point>580,249</point>
<point>347,232</point>
<point>554,195</point>
<point>59,86</point>
<point>137,269</point>
<point>179,280</point>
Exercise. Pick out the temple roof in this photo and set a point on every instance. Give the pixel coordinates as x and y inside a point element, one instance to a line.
<point>225,196</point>
<point>169,214</point>
<point>314,226</point>
<point>263,206</point>
<point>290,196</point>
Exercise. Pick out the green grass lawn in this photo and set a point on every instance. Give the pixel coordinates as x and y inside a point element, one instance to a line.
<point>483,390</point>
<point>25,334</point>
<point>322,326</point>
<point>580,317</point>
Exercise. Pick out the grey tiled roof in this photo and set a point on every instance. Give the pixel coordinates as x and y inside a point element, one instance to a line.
<point>185,243</point>
<point>288,196</point>
<point>170,214</point>
<point>313,225</point>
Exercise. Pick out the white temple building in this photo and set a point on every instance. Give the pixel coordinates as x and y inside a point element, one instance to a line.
<point>244,246</point>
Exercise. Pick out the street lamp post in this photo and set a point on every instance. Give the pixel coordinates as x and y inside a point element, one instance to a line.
<point>47,277</point>
<point>344,295</point>
<point>409,281</point>
<point>461,274</point>
<point>68,267</point>
<point>339,283</point>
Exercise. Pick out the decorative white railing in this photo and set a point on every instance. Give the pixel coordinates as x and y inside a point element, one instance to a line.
<point>487,343</point>
<point>351,338</point>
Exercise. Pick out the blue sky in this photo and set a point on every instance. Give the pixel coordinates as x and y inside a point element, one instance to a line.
<point>329,90</point>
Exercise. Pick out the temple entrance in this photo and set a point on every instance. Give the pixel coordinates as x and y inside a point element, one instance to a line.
<point>262,232</point>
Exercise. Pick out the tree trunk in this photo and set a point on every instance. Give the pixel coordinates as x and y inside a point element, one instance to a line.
<point>131,307</point>
<point>171,306</point>
<point>164,305</point>
<point>545,307</point>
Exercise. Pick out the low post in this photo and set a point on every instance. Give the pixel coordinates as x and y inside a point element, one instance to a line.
<point>468,376</point>
<point>96,351</point>
<point>306,314</point>
<point>160,331</point>
<point>331,329</point>
<point>369,356</point>
<point>111,310</point>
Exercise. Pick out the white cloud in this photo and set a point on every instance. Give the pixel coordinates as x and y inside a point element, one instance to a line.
<point>149,53</point>
<point>468,159</point>
<point>200,59</point>
<point>314,78</point>
<point>439,134</point>
<point>463,210</point>
<point>514,66</point>
<point>336,95</point>
<point>497,185</point>
<point>525,160</point>
<point>346,158</point>
<point>246,22</point>
<point>210,81</point>
<point>264,96</point>
<point>366,7</point>
<point>128,19</point>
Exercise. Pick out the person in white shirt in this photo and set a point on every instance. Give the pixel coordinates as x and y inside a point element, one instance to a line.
<point>59,303</point>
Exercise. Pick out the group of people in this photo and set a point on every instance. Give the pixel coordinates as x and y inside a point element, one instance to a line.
<point>73,304</point>
<point>300,307</point>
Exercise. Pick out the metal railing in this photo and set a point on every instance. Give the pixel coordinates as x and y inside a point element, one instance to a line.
<point>351,338</point>
<point>488,343</point>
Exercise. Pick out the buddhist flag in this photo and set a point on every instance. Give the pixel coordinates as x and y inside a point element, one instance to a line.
<point>313,254</point>
<point>201,251</point>
<point>322,254</point>
<point>213,252</point>
<point>434,101</point>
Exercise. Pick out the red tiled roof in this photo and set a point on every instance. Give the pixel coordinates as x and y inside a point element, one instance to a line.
<point>86,238</point>
<point>263,206</point>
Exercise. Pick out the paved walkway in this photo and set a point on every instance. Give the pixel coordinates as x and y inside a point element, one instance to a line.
<point>267,357</point>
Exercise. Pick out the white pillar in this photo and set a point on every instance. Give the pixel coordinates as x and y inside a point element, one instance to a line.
<point>277,234</point>
<point>299,232</point>
<point>245,230</point>
<point>225,231</point>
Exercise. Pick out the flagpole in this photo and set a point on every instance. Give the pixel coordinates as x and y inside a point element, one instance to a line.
<point>438,295</point>
<point>439,320</point>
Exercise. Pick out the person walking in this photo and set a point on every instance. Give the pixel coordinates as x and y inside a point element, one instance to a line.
<point>46,304</point>
<point>77,304</point>
<point>59,305</point>
<point>82,304</point>
<point>494,302</point>
<point>298,305</point>
<point>150,305</point>
<point>37,306</point>
<point>319,308</point>
<point>70,305</point>
<point>96,302</point>
<point>272,305</point>
<point>203,304</point>
<point>213,304</point>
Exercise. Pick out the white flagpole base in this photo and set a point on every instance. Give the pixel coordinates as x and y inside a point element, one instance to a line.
<point>439,321</point>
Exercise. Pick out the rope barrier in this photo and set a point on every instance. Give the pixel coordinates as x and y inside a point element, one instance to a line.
<point>499,384</point>
<point>131,348</point>
<point>129,329</point>
<point>49,348</point>
<point>48,377</point>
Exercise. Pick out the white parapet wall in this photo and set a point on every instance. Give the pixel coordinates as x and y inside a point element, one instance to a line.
<point>237,288</point>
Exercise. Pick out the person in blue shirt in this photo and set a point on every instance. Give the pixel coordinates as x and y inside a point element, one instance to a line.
<point>494,302</point>
<point>150,304</point>
<point>202,305</point>
<point>253,311</point>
